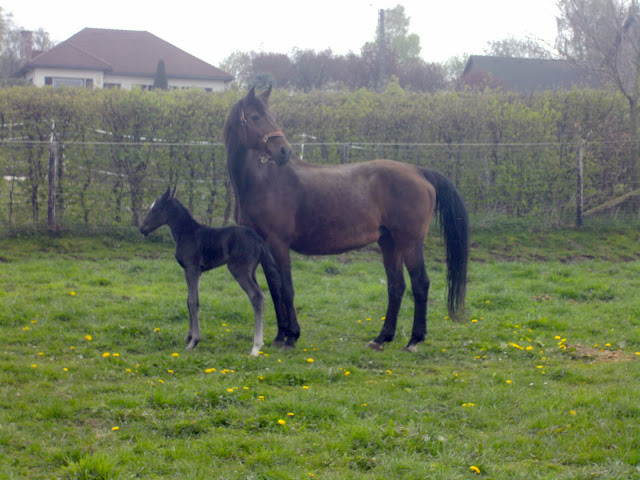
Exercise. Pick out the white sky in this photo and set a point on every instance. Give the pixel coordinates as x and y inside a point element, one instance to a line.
<point>213,29</point>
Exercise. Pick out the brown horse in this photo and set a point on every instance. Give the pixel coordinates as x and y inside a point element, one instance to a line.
<point>329,209</point>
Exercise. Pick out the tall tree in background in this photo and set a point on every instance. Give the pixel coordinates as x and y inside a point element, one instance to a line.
<point>405,45</point>
<point>604,36</point>
<point>11,38</point>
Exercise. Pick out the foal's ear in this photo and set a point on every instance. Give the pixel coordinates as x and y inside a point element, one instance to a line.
<point>173,192</point>
<point>251,96</point>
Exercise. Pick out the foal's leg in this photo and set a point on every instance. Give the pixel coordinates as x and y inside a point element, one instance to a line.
<point>244,273</point>
<point>193,303</point>
<point>414,260</point>
<point>392,259</point>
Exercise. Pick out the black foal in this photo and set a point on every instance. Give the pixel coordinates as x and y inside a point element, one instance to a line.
<point>200,248</point>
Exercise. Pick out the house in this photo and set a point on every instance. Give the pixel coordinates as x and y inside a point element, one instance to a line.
<point>524,75</point>
<point>105,58</point>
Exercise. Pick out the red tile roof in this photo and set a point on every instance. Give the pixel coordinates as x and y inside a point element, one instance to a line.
<point>125,52</point>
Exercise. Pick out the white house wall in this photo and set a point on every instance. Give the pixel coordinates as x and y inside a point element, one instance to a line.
<point>128,82</point>
<point>37,76</point>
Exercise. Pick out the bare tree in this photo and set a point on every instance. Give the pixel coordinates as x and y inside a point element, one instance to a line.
<point>604,36</point>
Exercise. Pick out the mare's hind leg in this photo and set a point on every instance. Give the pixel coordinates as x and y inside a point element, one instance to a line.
<point>244,273</point>
<point>414,260</point>
<point>193,303</point>
<point>395,289</point>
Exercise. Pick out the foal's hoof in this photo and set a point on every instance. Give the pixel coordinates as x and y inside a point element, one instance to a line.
<point>411,348</point>
<point>378,347</point>
<point>192,344</point>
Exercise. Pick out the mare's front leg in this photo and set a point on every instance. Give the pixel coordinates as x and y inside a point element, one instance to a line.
<point>192,277</point>
<point>244,273</point>
<point>288,327</point>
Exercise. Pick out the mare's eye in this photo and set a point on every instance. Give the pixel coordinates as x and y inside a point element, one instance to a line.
<point>255,117</point>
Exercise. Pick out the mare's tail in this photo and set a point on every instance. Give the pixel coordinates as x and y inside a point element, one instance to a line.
<point>454,222</point>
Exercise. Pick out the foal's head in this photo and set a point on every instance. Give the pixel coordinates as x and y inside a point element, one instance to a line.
<point>252,125</point>
<point>158,214</point>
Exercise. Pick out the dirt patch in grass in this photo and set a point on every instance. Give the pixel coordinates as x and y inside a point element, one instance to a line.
<point>595,354</point>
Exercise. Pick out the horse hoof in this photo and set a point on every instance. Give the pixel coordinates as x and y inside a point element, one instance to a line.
<point>192,345</point>
<point>378,347</point>
<point>411,348</point>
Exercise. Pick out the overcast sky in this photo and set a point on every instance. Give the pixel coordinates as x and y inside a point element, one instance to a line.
<point>213,29</point>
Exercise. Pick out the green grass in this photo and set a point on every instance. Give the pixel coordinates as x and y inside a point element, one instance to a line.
<point>540,382</point>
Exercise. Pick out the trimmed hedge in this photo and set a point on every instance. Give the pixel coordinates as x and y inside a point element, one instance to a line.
<point>508,154</point>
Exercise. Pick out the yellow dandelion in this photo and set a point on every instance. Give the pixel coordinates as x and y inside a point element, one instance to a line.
<point>210,370</point>
<point>515,345</point>
<point>128,370</point>
<point>72,348</point>
<point>106,354</point>
<point>573,412</point>
<point>364,404</point>
<point>309,360</point>
<point>34,366</point>
<point>291,414</point>
<point>245,388</point>
<point>175,355</point>
<point>557,337</point>
<point>347,372</point>
<point>156,330</point>
<point>65,369</point>
<point>73,294</point>
<point>34,321</point>
<point>281,422</point>
<point>607,344</point>
<point>88,338</point>
<point>304,387</point>
<point>230,390</point>
<point>26,329</point>
<point>474,469</point>
<point>638,353</point>
<point>41,354</point>
<point>509,382</point>
<point>389,372</point>
<point>475,320</point>
<point>115,429</point>
<point>116,354</point>
<point>260,397</point>
<point>529,348</point>
<point>169,371</point>
<point>160,380</point>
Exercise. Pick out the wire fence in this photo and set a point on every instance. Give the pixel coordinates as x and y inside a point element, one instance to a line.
<point>109,184</point>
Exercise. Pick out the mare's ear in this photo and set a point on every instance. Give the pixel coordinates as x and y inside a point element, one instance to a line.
<point>173,192</point>
<point>167,194</point>
<point>251,96</point>
<point>265,95</point>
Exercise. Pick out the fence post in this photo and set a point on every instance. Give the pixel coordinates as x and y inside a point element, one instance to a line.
<point>344,157</point>
<point>580,186</point>
<point>53,159</point>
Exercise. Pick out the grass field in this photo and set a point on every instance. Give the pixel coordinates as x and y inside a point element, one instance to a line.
<point>542,381</point>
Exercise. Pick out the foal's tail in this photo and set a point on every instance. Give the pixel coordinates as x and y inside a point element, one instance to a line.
<point>454,222</point>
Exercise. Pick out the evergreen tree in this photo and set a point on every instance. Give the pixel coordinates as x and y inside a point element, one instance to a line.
<point>160,80</point>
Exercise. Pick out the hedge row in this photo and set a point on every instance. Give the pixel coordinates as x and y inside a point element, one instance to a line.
<point>507,153</point>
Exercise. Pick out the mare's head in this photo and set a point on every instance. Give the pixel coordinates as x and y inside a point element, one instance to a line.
<point>158,214</point>
<point>253,126</point>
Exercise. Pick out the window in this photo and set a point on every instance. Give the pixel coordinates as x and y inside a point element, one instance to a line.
<point>111,85</point>
<point>67,81</point>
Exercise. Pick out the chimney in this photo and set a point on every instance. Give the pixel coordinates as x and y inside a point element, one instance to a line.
<point>26,46</point>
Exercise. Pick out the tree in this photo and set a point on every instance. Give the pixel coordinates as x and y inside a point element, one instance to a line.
<point>604,37</point>
<point>405,45</point>
<point>238,64</point>
<point>11,44</point>
<point>160,80</point>
<point>517,48</point>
